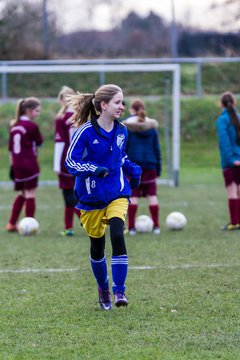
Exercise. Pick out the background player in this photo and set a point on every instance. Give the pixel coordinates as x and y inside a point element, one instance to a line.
<point>143,148</point>
<point>63,133</point>
<point>24,139</point>
<point>228,128</point>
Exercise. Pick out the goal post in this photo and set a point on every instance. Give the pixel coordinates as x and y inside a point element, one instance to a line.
<point>106,68</point>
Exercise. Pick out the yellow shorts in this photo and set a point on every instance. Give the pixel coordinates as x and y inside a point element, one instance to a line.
<point>94,222</point>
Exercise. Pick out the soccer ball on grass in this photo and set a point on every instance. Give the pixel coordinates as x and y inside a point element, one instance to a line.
<point>143,224</point>
<point>28,226</point>
<point>176,221</point>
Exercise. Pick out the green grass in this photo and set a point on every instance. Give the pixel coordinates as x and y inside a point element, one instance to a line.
<point>216,78</point>
<point>185,307</point>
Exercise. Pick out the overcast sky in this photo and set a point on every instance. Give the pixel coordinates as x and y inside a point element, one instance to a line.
<point>196,13</point>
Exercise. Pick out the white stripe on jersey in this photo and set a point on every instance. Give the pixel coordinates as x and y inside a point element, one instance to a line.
<point>72,163</point>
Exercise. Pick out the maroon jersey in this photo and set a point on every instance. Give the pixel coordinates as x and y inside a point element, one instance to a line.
<point>63,134</point>
<point>24,138</point>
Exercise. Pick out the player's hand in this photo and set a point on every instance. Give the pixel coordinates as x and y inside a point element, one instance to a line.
<point>11,173</point>
<point>236,163</point>
<point>134,183</point>
<point>101,172</point>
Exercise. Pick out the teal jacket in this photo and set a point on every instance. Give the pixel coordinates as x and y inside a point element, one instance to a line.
<point>228,141</point>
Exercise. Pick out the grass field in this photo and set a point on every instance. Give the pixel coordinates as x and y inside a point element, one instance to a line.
<point>183,287</point>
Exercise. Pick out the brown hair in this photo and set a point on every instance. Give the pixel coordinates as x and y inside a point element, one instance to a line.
<point>22,106</point>
<point>228,102</point>
<point>87,105</point>
<point>139,108</point>
<point>64,92</point>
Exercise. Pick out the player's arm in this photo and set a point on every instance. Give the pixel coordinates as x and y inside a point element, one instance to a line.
<point>158,154</point>
<point>224,143</point>
<point>38,138</point>
<point>130,169</point>
<point>74,160</point>
<point>58,152</point>
<point>58,146</point>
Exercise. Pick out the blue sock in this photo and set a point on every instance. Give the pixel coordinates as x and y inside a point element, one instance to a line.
<point>99,269</point>
<point>119,272</point>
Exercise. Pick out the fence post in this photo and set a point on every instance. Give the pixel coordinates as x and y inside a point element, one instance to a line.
<point>102,78</point>
<point>199,79</point>
<point>4,84</point>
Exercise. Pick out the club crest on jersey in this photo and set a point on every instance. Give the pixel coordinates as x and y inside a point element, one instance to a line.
<point>120,140</point>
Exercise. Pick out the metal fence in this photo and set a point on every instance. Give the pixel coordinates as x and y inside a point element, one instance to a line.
<point>7,67</point>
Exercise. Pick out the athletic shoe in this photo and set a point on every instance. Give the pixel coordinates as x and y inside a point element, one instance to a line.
<point>120,299</point>
<point>230,227</point>
<point>156,230</point>
<point>11,228</point>
<point>104,299</point>
<point>132,232</point>
<point>67,232</point>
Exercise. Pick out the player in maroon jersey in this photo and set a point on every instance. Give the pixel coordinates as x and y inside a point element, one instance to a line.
<point>63,134</point>
<point>24,138</point>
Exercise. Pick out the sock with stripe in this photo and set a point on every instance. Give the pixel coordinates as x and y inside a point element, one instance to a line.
<point>119,272</point>
<point>99,269</point>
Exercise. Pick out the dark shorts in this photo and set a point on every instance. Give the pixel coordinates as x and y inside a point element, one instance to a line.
<point>66,181</point>
<point>26,185</point>
<point>231,175</point>
<point>148,184</point>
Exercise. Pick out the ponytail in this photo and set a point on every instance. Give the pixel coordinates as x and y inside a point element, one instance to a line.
<point>19,112</point>
<point>83,108</point>
<point>138,107</point>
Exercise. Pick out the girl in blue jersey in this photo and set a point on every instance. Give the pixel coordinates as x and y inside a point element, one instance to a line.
<point>97,158</point>
<point>228,127</point>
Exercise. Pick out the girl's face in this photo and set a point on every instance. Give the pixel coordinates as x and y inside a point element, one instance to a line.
<point>33,113</point>
<point>115,107</point>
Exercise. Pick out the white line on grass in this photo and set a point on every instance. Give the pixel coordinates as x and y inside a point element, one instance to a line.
<point>167,267</point>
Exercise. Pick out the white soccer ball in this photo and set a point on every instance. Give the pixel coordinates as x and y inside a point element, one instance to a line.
<point>143,224</point>
<point>176,221</point>
<point>28,226</point>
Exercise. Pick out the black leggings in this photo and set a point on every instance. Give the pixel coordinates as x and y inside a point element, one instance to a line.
<point>69,198</point>
<point>97,246</point>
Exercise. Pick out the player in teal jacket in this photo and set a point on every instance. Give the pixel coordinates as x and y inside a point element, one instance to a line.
<point>228,127</point>
<point>97,158</point>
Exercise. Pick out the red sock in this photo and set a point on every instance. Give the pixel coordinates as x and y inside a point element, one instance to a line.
<point>132,211</point>
<point>154,211</point>
<point>16,209</point>
<point>233,205</point>
<point>68,217</point>
<point>30,207</point>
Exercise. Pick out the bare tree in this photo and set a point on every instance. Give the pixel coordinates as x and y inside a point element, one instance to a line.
<point>21,30</point>
<point>229,12</point>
